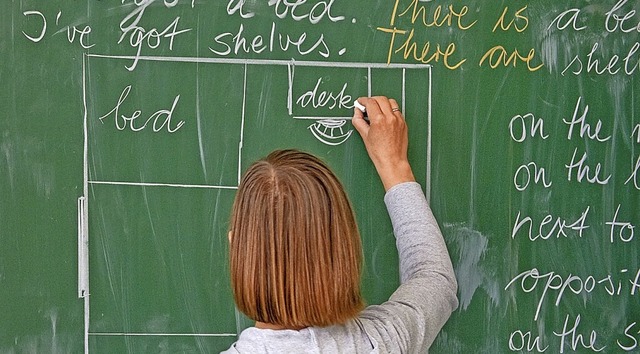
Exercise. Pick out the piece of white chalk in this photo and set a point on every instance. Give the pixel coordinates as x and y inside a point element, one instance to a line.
<point>359,106</point>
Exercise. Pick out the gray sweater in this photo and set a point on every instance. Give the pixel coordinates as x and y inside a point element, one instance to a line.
<point>414,314</point>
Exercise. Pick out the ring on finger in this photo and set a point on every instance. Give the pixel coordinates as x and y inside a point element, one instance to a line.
<point>395,109</point>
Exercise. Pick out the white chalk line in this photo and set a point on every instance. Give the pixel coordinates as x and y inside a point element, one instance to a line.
<point>404,84</point>
<point>290,74</point>
<point>428,175</point>
<point>84,237</point>
<point>265,62</point>
<point>369,81</point>
<point>103,334</point>
<point>176,185</point>
<point>244,108</point>
<point>321,118</point>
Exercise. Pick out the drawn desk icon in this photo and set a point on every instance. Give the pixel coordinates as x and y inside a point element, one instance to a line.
<point>331,131</point>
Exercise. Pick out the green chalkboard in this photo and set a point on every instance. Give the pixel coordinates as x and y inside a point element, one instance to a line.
<point>126,126</point>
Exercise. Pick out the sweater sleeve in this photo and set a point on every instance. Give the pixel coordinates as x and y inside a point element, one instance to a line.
<point>426,297</point>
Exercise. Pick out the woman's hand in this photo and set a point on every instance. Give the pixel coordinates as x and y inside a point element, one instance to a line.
<point>386,138</point>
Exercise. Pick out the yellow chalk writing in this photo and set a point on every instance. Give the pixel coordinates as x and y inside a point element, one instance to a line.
<point>440,15</point>
<point>409,49</point>
<point>498,55</point>
<point>521,24</point>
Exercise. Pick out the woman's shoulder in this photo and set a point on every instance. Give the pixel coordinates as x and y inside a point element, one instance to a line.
<point>256,340</point>
<point>345,338</point>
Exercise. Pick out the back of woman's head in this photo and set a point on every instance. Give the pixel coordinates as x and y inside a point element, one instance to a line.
<point>295,252</point>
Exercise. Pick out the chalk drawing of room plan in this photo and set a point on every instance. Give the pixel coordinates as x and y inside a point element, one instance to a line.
<point>164,148</point>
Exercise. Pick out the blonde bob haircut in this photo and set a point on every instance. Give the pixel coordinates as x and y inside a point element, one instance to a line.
<point>295,250</point>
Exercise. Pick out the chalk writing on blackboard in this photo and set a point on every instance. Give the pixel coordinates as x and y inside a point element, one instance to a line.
<point>82,33</point>
<point>607,50</point>
<point>619,55</point>
<point>160,120</point>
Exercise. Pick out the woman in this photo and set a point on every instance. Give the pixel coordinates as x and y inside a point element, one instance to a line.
<point>295,253</point>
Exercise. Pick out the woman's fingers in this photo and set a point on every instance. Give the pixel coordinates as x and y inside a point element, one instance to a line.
<point>395,108</point>
<point>359,122</point>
